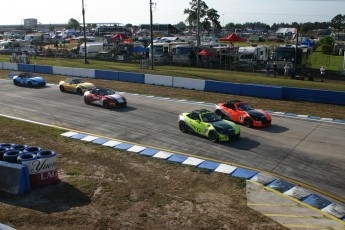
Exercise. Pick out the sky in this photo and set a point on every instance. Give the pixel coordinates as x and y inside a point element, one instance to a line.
<point>137,12</point>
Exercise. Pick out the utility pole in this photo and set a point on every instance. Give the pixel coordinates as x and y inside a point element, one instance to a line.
<point>84,30</point>
<point>151,28</point>
<point>197,32</point>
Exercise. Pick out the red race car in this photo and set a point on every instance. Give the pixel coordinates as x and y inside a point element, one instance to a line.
<point>105,97</point>
<point>241,112</point>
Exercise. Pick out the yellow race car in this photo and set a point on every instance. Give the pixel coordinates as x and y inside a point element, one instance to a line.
<point>75,85</point>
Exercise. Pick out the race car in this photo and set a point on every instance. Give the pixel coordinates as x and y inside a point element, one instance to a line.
<point>107,98</point>
<point>75,85</point>
<point>241,112</point>
<point>208,124</point>
<point>28,79</point>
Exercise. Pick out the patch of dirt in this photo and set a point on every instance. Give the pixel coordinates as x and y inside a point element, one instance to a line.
<point>104,188</point>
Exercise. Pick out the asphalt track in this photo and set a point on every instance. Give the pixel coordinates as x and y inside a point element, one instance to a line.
<point>310,152</point>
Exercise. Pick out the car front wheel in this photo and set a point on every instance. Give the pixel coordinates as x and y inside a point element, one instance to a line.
<point>183,127</point>
<point>79,91</point>
<point>15,82</point>
<point>62,89</point>
<point>86,101</point>
<point>105,105</point>
<point>248,122</point>
<point>213,136</point>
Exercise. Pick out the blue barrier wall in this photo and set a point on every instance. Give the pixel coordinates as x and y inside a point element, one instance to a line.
<point>132,77</point>
<point>263,91</point>
<point>106,74</point>
<point>314,95</point>
<point>44,69</point>
<point>26,67</point>
<point>222,87</point>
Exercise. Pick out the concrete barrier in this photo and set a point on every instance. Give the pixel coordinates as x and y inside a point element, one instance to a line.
<point>11,66</point>
<point>43,69</point>
<point>26,67</point>
<point>188,83</point>
<point>132,77</point>
<point>107,74</point>
<point>79,72</point>
<point>263,91</point>
<point>222,87</point>
<point>158,80</point>
<point>62,71</point>
<point>14,178</point>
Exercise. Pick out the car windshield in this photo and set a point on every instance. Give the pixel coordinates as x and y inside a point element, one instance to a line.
<point>77,81</point>
<point>244,107</point>
<point>29,75</point>
<point>210,117</point>
<point>104,91</point>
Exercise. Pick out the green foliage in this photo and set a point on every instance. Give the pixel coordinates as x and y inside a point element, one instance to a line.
<point>327,49</point>
<point>73,24</point>
<point>338,22</point>
<point>328,40</point>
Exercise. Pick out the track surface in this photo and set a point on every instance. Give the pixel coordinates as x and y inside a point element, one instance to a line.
<point>311,152</point>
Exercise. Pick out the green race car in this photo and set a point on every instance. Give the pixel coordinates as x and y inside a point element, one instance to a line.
<point>208,124</point>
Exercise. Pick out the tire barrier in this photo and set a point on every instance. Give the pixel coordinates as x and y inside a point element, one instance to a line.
<point>2,151</point>
<point>12,155</point>
<point>23,167</point>
<point>18,147</point>
<point>32,149</point>
<point>42,168</point>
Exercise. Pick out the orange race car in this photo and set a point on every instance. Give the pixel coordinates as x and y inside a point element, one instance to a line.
<point>241,112</point>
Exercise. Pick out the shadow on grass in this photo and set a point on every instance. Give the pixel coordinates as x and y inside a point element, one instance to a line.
<point>49,199</point>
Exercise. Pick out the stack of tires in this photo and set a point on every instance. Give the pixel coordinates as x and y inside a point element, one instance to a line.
<point>41,164</point>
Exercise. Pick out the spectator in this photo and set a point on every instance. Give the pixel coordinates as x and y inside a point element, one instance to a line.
<point>286,71</point>
<point>24,58</point>
<point>275,69</point>
<point>14,57</point>
<point>268,69</point>
<point>322,73</point>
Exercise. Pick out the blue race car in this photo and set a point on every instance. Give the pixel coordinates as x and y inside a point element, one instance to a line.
<point>28,79</point>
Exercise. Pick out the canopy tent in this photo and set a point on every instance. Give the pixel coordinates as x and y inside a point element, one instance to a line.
<point>204,53</point>
<point>119,36</point>
<point>308,43</point>
<point>233,38</point>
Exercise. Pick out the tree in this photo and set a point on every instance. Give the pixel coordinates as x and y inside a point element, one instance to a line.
<point>181,26</point>
<point>338,22</point>
<point>211,15</point>
<point>73,24</point>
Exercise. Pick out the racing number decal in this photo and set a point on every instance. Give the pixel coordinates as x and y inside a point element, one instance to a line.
<point>241,118</point>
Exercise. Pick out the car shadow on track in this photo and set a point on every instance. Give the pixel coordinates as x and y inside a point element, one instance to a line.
<point>117,109</point>
<point>273,129</point>
<point>241,143</point>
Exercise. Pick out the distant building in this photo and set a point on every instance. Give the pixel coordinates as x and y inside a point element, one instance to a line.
<point>165,29</point>
<point>30,22</point>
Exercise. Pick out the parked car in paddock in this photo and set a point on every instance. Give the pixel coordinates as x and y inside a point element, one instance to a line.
<point>75,85</point>
<point>28,79</point>
<point>241,112</point>
<point>208,124</point>
<point>105,97</point>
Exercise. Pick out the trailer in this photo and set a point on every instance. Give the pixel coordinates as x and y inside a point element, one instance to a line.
<point>92,49</point>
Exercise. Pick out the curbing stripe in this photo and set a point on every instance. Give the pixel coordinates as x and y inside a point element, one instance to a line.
<point>266,180</point>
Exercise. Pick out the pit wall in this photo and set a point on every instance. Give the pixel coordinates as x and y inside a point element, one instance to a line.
<point>253,90</point>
